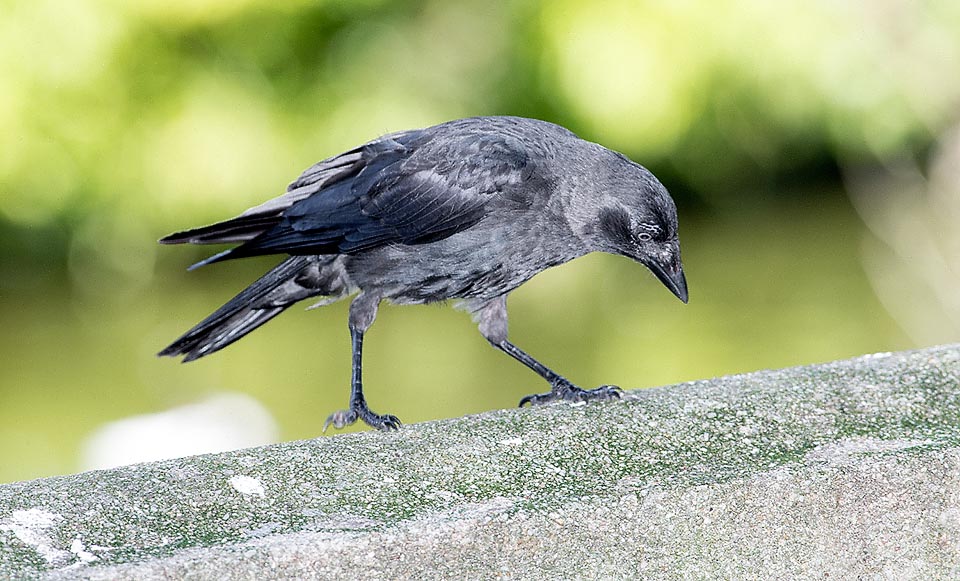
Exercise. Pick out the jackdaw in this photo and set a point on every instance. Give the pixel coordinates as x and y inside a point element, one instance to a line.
<point>469,210</point>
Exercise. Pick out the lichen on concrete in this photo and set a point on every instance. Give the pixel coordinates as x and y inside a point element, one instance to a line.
<point>851,468</point>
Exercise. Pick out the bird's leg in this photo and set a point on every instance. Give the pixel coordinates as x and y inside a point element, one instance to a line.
<point>492,320</point>
<point>362,312</point>
<point>561,388</point>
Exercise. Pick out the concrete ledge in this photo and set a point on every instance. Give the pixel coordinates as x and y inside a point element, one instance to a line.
<point>850,469</point>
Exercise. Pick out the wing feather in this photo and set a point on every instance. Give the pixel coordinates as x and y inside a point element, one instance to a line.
<point>410,188</point>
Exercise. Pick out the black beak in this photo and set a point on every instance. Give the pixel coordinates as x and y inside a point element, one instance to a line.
<point>671,275</point>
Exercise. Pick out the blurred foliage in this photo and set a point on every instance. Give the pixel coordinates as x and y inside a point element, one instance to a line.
<point>123,120</point>
<point>912,252</point>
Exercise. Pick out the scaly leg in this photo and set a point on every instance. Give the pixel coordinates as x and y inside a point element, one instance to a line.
<point>363,310</point>
<point>492,319</point>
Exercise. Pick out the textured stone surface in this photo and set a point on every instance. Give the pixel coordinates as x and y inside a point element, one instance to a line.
<point>850,469</point>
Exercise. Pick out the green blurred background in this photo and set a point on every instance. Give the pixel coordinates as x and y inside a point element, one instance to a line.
<point>809,144</point>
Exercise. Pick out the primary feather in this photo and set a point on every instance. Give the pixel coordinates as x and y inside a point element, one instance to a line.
<point>397,189</point>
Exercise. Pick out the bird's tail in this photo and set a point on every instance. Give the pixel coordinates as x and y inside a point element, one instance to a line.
<point>295,279</point>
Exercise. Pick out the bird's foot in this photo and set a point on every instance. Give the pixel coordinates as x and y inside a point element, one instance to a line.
<point>563,390</point>
<point>343,418</point>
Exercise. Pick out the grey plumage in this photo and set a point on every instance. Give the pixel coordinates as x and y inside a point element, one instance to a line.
<point>466,210</point>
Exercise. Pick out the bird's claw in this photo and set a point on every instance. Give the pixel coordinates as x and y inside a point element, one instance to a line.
<point>343,418</point>
<point>340,419</point>
<point>565,391</point>
<point>384,423</point>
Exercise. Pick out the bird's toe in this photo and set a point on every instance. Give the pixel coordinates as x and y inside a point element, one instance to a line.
<point>538,398</point>
<point>602,393</point>
<point>340,419</point>
<point>384,423</point>
<point>571,393</point>
<point>389,423</point>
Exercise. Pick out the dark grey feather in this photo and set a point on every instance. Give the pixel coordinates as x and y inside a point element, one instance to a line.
<point>400,190</point>
<point>293,280</point>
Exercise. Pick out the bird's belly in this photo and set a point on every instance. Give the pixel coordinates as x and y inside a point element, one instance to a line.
<point>405,276</point>
<point>478,265</point>
<point>464,283</point>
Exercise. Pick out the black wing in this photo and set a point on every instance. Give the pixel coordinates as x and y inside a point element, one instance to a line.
<point>410,188</point>
<point>259,219</point>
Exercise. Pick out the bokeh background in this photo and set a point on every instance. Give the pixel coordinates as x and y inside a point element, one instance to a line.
<point>812,147</point>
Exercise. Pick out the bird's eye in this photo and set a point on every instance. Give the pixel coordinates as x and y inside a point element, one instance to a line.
<point>645,232</point>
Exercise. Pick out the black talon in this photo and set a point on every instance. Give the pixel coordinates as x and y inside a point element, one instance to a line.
<point>566,391</point>
<point>343,418</point>
<point>384,423</point>
<point>388,423</point>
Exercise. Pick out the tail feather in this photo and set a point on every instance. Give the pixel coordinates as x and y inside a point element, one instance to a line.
<point>211,259</point>
<point>239,229</point>
<point>234,329</point>
<point>293,280</point>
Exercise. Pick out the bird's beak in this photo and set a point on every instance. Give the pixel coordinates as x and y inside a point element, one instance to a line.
<point>670,273</point>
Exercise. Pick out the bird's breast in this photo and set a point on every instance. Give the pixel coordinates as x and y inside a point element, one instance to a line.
<point>474,265</point>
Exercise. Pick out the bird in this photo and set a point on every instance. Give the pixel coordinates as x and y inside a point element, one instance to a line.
<point>467,210</point>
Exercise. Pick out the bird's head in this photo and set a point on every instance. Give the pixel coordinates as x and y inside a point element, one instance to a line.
<point>637,218</point>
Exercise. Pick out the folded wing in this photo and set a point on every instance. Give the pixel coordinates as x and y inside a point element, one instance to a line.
<point>407,188</point>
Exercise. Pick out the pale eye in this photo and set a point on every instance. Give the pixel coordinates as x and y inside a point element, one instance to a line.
<point>645,232</point>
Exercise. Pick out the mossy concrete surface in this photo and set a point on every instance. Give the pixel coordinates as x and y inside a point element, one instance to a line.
<point>842,470</point>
